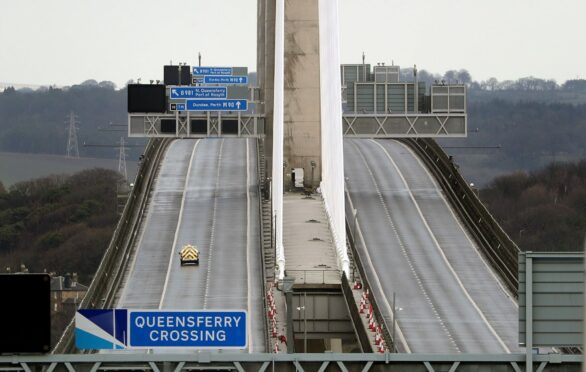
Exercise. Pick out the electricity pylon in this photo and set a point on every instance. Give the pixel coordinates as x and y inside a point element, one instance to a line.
<point>72,148</point>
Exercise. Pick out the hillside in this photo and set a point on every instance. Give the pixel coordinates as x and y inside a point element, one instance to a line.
<point>35,121</point>
<point>543,210</point>
<point>59,223</point>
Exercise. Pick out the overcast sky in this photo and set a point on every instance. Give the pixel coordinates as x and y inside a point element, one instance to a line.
<point>65,42</point>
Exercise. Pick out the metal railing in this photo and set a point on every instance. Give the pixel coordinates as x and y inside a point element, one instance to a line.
<point>241,362</point>
<point>353,310</point>
<point>102,290</point>
<point>315,276</point>
<point>494,242</point>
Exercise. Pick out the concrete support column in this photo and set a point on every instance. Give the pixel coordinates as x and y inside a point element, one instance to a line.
<point>302,132</point>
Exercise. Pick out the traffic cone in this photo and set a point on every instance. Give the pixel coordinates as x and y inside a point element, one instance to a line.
<point>276,348</point>
<point>381,348</point>
<point>362,305</point>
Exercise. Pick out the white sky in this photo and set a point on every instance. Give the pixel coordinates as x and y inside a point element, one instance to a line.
<point>64,42</point>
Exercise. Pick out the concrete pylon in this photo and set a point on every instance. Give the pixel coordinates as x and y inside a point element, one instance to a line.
<point>302,133</point>
<point>300,73</point>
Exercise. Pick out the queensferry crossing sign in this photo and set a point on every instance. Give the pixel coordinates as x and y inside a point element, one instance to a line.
<point>123,329</point>
<point>213,329</point>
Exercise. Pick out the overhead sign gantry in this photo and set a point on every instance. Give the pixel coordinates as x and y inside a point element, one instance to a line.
<point>195,102</point>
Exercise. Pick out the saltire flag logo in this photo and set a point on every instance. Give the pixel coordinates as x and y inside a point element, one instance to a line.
<point>101,329</point>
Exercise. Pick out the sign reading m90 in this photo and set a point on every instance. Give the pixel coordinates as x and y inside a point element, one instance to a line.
<point>197,329</point>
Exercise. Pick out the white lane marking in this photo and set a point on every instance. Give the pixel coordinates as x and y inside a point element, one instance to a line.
<point>441,252</point>
<point>169,267</point>
<point>144,224</point>
<point>404,251</point>
<point>472,243</point>
<point>249,321</point>
<point>213,231</point>
<point>376,278</point>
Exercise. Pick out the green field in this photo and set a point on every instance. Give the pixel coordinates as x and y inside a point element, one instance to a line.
<point>15,167</point>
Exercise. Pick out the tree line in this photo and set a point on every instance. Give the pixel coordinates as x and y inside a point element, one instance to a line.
<point>544,210</point>
<point>59,223</point>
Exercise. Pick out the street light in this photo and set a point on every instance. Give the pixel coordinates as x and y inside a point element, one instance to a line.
<point>395,314</point>
<point>299,308</point>
<point>312,169</point>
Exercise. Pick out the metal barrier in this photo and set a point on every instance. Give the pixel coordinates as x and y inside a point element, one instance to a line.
<point>102,290</point>
<point>496,245</point>
<point>226,361</point>
<point>328,276</point>
<point>359,329</point>
<point>351,231</point>
<point>260,232</point>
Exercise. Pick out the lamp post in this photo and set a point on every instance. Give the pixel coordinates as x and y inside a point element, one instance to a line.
<point>395,314</point>
<point>312,169</point>
<point>299,308</point>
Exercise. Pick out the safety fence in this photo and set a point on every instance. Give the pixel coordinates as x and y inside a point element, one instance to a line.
<point>354,312</point>
<point>102,290</point>
<point>496,245</point>
<point>352,232</point>
<point>286,362</point>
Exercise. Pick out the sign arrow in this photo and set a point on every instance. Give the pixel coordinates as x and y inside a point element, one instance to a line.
<point>238,105</point>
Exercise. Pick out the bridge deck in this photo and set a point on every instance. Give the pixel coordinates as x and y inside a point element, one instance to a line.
<point>205,195</point>
<point>448,299</point>
<point>307,239</point>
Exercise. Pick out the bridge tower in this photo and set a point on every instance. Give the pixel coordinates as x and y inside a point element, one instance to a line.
<point>298,67</point>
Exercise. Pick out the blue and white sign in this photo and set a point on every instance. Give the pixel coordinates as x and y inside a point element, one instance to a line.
<point>198,92</point>
<point>201,71</point>
<point>177,107</point>
<point>101,329</point>
<point>225,80</point>
<point>217,104</point>
<point>121,329</point>
<point>197,329</point>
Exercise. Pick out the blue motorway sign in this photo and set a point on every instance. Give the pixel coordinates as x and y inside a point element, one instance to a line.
<point>197,92</point>
<point>123,328</point>
<point>101,329</point>
<point>201,71</point>
<point>225,79</point>
<point>197,329</point>
<point>216,105</point>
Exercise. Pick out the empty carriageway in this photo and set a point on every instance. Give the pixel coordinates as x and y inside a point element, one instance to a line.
<point>411,243</point>
<point>205,194</point>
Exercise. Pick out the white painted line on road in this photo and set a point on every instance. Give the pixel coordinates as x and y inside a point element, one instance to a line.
<point>213,231</point>
<point>492,330</point>
<point>490,269</point>
<point>169,267</point>
<point>403,249</point>
<point>376,278</point>
<point>249,320</point>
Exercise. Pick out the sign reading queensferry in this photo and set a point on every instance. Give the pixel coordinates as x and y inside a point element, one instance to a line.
<point>198,329</point>
<point>122,329</point>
